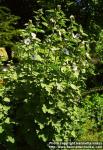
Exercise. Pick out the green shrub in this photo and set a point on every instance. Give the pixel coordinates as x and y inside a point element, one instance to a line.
<point>91,129</point>
<point>42,93</point>
<point>8,29</point>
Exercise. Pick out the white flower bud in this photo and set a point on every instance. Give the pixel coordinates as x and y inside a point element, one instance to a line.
<point>33,35</point>
<point>72,17</point>
<point>75,67</point>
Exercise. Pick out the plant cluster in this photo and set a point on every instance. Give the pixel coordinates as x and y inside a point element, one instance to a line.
<point>41,96</point>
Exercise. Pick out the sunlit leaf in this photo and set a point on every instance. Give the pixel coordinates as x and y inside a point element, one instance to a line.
<point>45,24</point>
<point>10,139</point>
<point>1,129</point>
<point>73,134</point>
<point>74,87</point>
<point>7,120</point>
<point>6,99</point>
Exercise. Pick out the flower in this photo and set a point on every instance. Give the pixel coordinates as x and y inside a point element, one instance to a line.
<point>27,41</point>
<point>76,35</point>
<point>33,35</point>
<point>66,51</point>
<point>4,69</point>
<point>33,57</point>
<point>75,67</point>
<point>78,1</point>
<point>72,17</point>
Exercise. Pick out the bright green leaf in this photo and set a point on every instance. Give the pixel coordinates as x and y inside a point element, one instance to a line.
<point>6,99</point>
<point>10,139</point>
<point>1,129</point>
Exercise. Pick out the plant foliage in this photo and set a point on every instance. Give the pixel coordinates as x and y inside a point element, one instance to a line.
<point>40,99</point>
<point>7,27</point>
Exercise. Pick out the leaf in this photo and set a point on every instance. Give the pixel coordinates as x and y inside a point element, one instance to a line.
<point>73,133</point>
<point>6,108</point>
<point>88,56</point>
<point>1,129</point>
<point>6,99</point>
<point>51,10</point>
<point>41,125</point>
<point>10,139</point>
<point>76,74</point>
<point>60,87</point>
<point>51,111</point>
<point>69,3</point>
<point>37,57</point>
<point>40,30</point>
<point>7,120</point>
<point>45,24</point>
<point>1,107</point>
<point>1,115</point>
<point>64,69</point>
<point>47,87</point>
<point>46,110</point>
<point>35,73</point>
<point>43,137</point>
<point>74,87</point>
<point>61,106</point>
